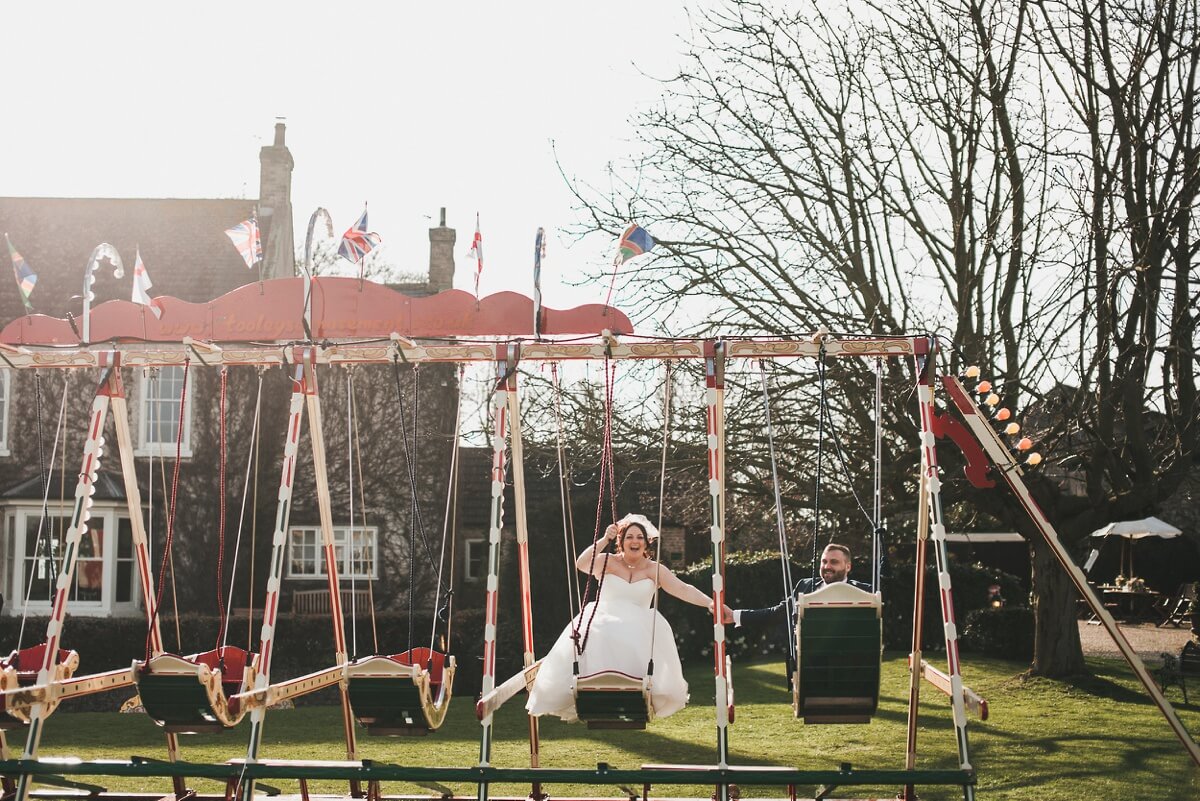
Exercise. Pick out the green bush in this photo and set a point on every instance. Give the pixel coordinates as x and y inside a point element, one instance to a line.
<point>1005,633</point>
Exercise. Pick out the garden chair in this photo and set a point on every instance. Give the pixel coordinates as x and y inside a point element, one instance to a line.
<point>1176,670</point>
<point>1176,608</point>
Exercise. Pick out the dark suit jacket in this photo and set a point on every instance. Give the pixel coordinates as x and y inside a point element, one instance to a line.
<point>779,612</point>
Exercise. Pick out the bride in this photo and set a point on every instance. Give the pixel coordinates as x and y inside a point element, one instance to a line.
<point>615,630</point>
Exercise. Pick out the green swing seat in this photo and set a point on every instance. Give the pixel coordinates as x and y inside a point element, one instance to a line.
<point>20,669</point>
<point>189,694</point>
<point>402,694</point>
<point>839,645</point>
<point>610,699</point>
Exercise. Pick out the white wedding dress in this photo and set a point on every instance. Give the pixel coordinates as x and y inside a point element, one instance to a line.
<point>619,639</point>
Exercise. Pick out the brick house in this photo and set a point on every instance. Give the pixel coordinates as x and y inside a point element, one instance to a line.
<point>185,250</point>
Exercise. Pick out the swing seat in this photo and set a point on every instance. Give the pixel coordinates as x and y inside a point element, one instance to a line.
<point>401,694</point>
<point>610,699</point>
<point>839,647</point>
<point>20,669</point>
<point>189,694</point>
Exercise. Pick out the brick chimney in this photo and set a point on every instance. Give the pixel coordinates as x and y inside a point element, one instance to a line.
<point>441,256</point>
<point>275,207</point>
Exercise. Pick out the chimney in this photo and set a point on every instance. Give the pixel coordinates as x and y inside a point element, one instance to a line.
<point>275,207</point>
<point>441,256</point>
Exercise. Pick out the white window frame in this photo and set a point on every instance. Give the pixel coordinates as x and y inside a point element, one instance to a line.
<point>17,520</point>
<point>340,552</point>
<point>165,449</point>
<point>468,573</point>
<point>6,379</point>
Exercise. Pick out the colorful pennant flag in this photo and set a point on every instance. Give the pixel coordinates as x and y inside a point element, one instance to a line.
<point>634,242</point>
<point>26,277</point>
<point>357,242</point>
<point>142,285</point>
<point>539,253</point>
<point>476,253</point>
<point>245,238</point>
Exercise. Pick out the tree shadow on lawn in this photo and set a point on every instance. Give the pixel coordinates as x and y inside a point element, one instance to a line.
<point>1093,757</point>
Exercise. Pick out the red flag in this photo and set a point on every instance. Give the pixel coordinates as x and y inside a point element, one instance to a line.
<point>476,253</point>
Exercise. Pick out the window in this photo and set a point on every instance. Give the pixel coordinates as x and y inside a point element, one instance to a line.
<point>475,560</point>
<point>104,582</point>
<point>306,554</point>
<point>159,390</point>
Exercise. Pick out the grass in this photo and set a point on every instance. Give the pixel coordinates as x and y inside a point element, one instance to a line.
<point>1097,737</point>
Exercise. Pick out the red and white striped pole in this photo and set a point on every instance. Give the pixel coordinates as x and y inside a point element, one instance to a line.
<point>93,451</point>
<point>500,404</point>
<point>937,530</point>
<point>714,373</point>
<point>266,644</point>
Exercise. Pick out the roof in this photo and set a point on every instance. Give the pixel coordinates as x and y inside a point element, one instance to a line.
<point>109,487</point>
<point>182,242</point>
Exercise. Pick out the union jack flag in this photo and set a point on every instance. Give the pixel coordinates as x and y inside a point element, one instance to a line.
<point>26,277</point>
<point>245,238</point>
<point>357,242</point>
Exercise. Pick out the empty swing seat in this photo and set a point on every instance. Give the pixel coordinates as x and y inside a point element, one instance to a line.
<point>401,694</point>
<point>20,669</point>
<point>189,694</point>
<point>839,645</point>
<point>610,699</point>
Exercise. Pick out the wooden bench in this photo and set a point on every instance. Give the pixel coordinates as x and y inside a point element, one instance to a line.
<point>316,602</point>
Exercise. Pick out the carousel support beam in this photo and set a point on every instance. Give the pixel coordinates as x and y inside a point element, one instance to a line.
<point>141,546</point>
<point>518,474</point>
<point>714,370</point>
<point>93,451</point>
<point>301,374</point>
<point>937,530</point>
<point>316,435</point>
<point>1000,455</point>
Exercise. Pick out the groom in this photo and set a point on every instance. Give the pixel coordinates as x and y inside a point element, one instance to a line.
<point>835,567</point>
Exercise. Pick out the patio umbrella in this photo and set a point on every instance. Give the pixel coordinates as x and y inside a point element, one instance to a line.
<point>1130,530</point>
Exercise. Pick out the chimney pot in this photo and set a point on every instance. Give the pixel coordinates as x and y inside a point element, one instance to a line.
<point>280,127</point>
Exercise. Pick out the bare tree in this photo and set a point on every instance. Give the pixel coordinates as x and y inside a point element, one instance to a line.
<point>908,167</point>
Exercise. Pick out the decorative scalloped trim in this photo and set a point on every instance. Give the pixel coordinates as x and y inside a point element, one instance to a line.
<point>342,308</point>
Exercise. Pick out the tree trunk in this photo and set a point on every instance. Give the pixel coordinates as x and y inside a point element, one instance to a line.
<point>1056,648</point>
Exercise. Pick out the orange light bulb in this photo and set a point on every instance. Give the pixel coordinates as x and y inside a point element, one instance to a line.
<point>1003,414</point>
<point>1025,444</point>
<point>984,386</point>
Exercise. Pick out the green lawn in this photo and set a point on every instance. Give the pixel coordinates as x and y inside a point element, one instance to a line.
<point>1046,740</point>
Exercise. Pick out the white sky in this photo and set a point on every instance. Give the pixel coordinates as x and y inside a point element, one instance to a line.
<point>410,106</point>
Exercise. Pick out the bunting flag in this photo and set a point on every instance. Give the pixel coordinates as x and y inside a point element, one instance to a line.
<point>245,238</point>
<point>26,277</point>
<point>634,242</point>
<point>142,285</point>
<point>539,253</point>
<point>357,242</point>
<point>476,253</point>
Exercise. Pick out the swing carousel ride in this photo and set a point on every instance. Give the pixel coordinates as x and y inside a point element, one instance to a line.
<point>292,325</point>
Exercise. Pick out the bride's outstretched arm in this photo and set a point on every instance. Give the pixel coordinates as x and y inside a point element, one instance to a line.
<point>585,559</point>
<point>681,589</point>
